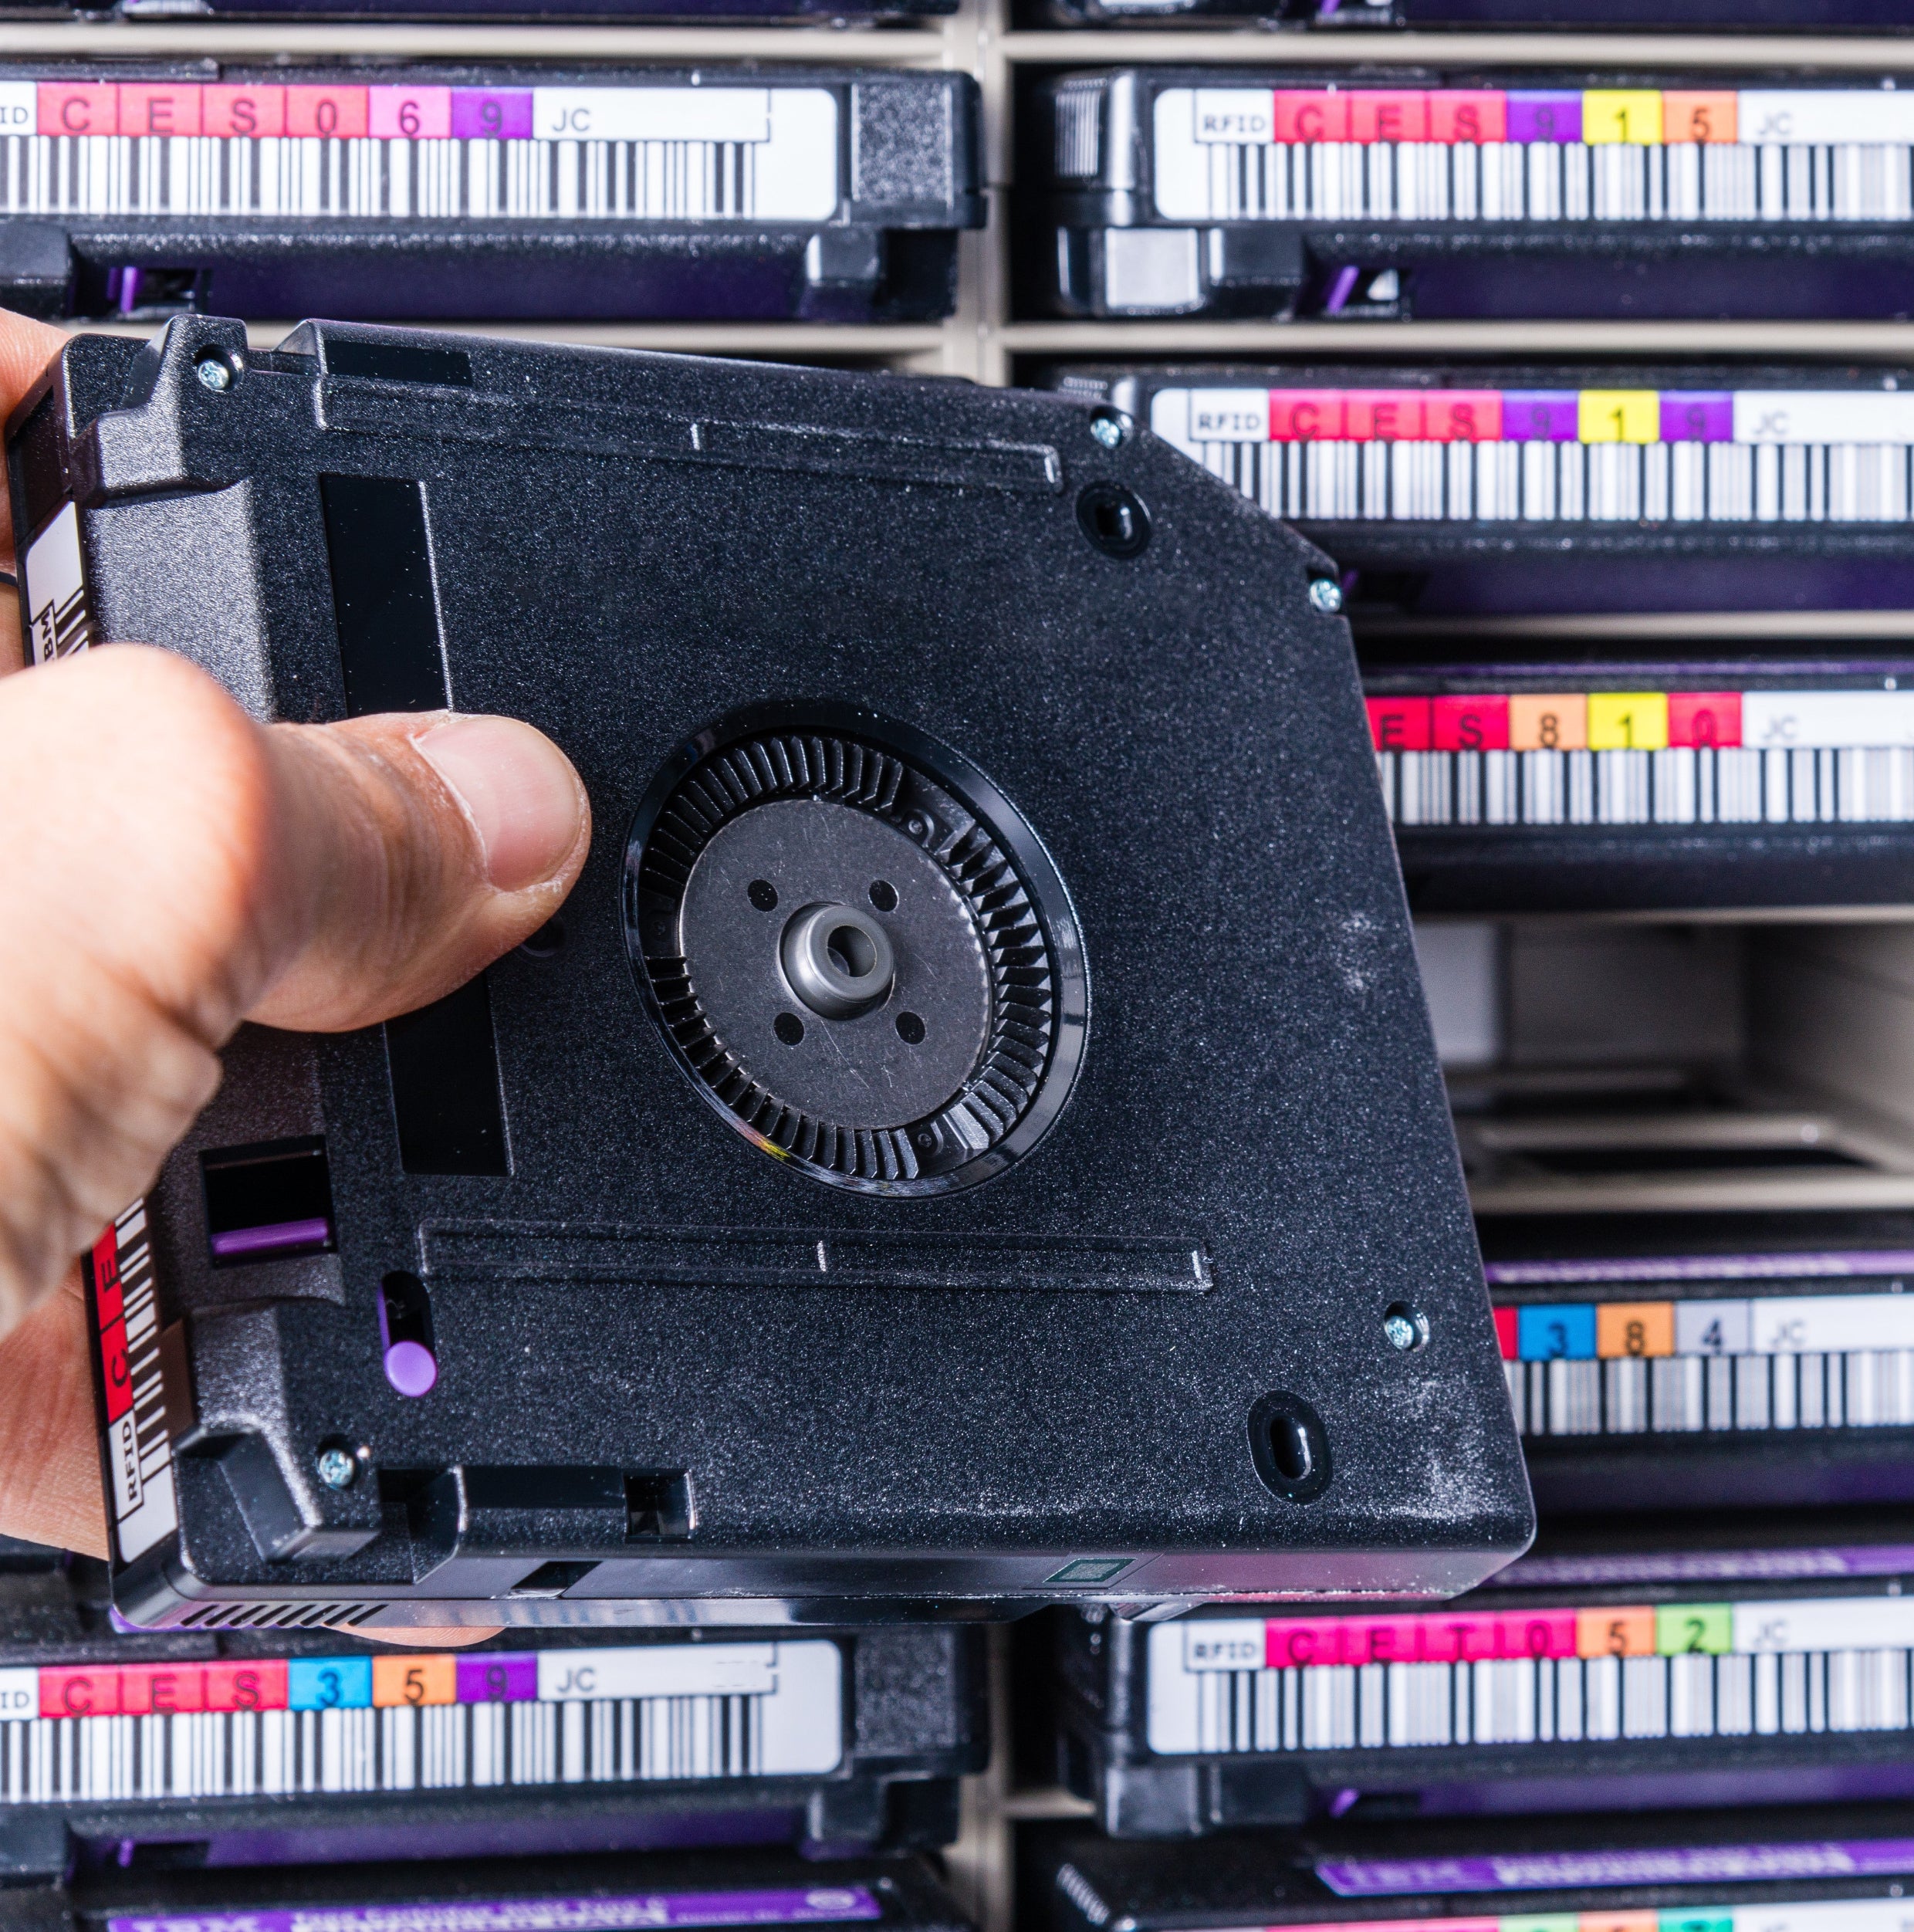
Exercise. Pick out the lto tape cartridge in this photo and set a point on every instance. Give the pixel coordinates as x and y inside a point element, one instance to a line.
<point>726,191</point>
<point>740,1888</point>
<point>1677,1661</point>
<point>229,1747</point>
<point>808,1120</point>
<point>1567,783</point>
<point>1465,489</point>
<point>1796,1869</point>
<point>1457,193</point>
<point>1752,1359</point>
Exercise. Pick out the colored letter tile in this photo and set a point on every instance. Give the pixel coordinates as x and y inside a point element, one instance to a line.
<point>1627,720</point>
<point>1682,1627</point>
<point>1535,116</point>
<point>1311,114</point>
<point>145,108</point>
<point>83,1690</point>
<point>1389,114</point>
<point>484,113</point>
<point>1540,415</point>
<point>1471,724</point>
<point>1548,721</point>
<point>1383,415</point>
<point>1634,1328</point>
<point>499,1677</point>
<point>1400,724</point>
<point>78,107</point>
<point>1505,1334</point>
<point>333,113</point>
<point>1619,416</point>
<point>1462,416</point>
<point>260,1686</point>
<point>1557,1332</point>
<point>1696,416</point>
<point>414,1680</point>
<point>1614,1632</point>
<point>1704,718</point>
<point>409,114</point>
<point>1536,1633</point>
<point>1631,114</point>
<point>1688,116</point>
<point>247,112</point>
<point>1476,114</point>
<point>1294,1641</point>
<point>1306,415</point>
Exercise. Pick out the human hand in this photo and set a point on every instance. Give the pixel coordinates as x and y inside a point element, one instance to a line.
<point>170,869</point>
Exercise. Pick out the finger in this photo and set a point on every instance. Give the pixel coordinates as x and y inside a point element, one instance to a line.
<point>49,1454</point>
<point>185,868</point>
<point>453,1636</point>
<point>26,347</point>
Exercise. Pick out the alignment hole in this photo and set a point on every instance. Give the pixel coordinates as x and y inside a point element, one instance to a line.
<point>789,1028</point>
<point>910,1029</point>
<point>883,896</point>
<point>762,894</point>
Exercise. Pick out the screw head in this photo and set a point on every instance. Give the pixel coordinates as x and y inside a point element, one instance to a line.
<point>1106,427</point>
<point>1325,595</point>
<point>1404,1328</point>
<point>214,372</point>
<point>337,1468</point>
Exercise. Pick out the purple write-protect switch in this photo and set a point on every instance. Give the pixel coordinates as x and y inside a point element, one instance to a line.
<point>503,1677</point>
<point>1540,415</point>
<point>1544,117</point>
<point>492,113</point>
<point>1697,416</point>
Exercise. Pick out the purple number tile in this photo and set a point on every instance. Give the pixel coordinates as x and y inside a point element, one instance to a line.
<point>484,113</point>
<point>1544,117</point>
<point>501,1677</point>
<point>1697,416</point>
<point>1540,415</point>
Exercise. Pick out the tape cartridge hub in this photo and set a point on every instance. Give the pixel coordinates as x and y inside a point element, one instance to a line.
<point>844,956</point>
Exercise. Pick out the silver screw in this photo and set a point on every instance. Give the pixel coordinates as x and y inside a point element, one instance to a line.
<point>337,1468</point>
<point>1325,595</point>
<point>1404,1328</point>
<point>214,372</point>
<point>1106,429</point>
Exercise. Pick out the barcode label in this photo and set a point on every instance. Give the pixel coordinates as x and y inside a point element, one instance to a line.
<point>1648,1368</point>
<point>408,1723</point>
<point>1820,1915</point>
<point>59,622</point>
<point>139,1454</point>
<point>1591,1676</point>
<point>612,153</point>
<point>1553,456</point>
<point>1489,155</point>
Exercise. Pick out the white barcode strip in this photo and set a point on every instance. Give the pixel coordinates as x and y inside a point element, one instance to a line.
<point>1675,1395</point>
<point>1682,785</point>
<point>1567,482</point>
<point>1542,1700</point>
<point>1525,181</point>
<point>246,1754</point>
<point>666,180</point>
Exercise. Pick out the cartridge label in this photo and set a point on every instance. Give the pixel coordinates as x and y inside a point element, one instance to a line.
<point>139,1455</point>
<point>59,621</point>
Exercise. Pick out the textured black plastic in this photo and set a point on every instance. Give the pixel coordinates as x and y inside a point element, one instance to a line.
<point>1039,1387</point>
<point>908,179</point>
<point>1085,163</point>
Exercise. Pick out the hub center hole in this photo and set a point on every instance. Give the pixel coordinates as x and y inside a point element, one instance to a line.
<point>851,952</point>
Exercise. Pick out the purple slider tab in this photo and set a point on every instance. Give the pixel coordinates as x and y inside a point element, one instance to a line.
<point>488,113</point>
<point>502,1677</point>
<point>271,1240</point>
<point>1540,415</point>
<point>1697,416</point>
<point>815,1905</point>
<point>1544,117</point>
<point>1673,1865</point>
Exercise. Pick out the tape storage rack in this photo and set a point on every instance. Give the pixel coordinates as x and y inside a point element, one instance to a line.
<point>1633,1070</point>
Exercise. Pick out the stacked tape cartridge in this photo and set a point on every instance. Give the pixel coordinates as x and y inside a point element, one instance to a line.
<point>824,194</point>
<point>299,1742</point>
<point>1673,1661</point>
<point>1186,191</point>
<point>1486,490</point>
<point>589,1894</point>
<point>1830,1869</point>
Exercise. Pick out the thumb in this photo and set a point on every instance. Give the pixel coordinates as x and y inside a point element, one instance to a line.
<point>173,868</point>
